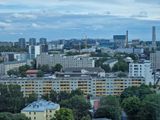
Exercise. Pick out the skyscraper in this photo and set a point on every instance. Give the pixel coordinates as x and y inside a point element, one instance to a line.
<point>126,44</point>
<point>22,42</point>
<point>43,41</point>
<point>119,41</point>
<point>32,41</point>
<point>154,37</point>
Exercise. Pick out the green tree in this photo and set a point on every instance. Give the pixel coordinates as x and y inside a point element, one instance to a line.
<point>11,98</point>
<point>63,114</point>
<point>121,74</point>
<point>150,108</point>
<point>140,92</point>
<point>109,108</point>
<point>40,73</point>
<point>99,62</point>
<point>106,68</point>
<point>58,67</point>
<point>121,65</point>
<point>78,104</point>
<point>23,69</point>
<point>63,95</point>
<point>32,97</point>
<point>76,92</point>
<point>10,116</point>
<point>12,72</point>
<point>131,106</point>
<point>45,68</point>
<point>53,96</point>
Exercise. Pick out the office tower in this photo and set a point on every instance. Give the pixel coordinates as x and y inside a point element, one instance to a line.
<point>155,60</point>
<point>22,42</point>
<point>126,45</point>
<point>32,41</point>
<point>44,48</point>
<point>34,51</point>
<point>119,41</point>
<point>43,41</point>
<point>154,37</point>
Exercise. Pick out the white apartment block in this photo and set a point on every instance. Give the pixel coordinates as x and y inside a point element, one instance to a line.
<point>141,69</point>
<point>89,85</point>
<point>65,61</point>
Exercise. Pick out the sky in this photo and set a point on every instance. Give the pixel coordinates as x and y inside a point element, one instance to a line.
<point>66,19</point>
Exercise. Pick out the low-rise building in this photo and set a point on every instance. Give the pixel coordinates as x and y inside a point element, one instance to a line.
<point>111,62</point>
<point>41,110</point>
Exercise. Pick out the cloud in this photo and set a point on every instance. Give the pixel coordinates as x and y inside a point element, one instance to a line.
<point>24,16</point>
<point>4,25</point>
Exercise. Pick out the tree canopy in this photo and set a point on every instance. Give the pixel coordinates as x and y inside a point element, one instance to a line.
<point>63,114</point>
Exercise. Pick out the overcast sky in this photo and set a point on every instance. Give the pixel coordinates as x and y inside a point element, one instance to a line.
<point>59,19</point>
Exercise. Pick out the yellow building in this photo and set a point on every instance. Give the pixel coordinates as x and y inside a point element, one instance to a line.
<point>93,86</point>
<point>41,110</point>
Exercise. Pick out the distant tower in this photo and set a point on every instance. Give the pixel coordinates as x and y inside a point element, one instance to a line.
<point>126,43</point>
<point>154,37</point>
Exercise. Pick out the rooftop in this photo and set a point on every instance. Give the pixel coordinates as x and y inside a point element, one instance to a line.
<point>79,69</point>
<point>40,106</point>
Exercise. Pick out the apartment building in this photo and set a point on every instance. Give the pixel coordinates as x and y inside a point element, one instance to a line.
<point>94,86</point>
<point>65,61</point>
<point>141,69</point>
<point>41,110</point>
<point>6,66</point>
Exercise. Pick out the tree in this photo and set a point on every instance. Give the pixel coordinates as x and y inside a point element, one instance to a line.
<point>76,92</point>
<point>23,69</point>
<point>63,95</point>
<point>99,62</point>
<point>53,96</point>
<point>33,64</point>
<point>109,108</point>
<point>10,116</point>
<point>121,74</point>
<point>63,114</point>
<point>121,65</point>
<point>45,68</point>
<point>106,68</point>
<point>40,73</point>
<point>131,106</point>
<point>32,97</point>
<point>11,98</point>
<point>58,67</point>
<point>78,104</point>
<point>12,72</point>
<point>139,92</point>
<point>150,108</point>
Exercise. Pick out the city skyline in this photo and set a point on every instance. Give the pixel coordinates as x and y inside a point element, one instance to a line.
<point>66,19</point>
